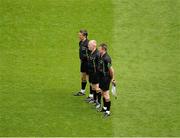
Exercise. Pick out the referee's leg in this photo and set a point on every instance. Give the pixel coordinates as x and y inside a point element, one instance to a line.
<point>84,77</point>
<point>107,102</point>
<point>96,95</point>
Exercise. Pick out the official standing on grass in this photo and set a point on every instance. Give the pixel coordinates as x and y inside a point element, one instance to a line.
<point>83,55</point>
<point>106,76</point>
<point>93,72</point>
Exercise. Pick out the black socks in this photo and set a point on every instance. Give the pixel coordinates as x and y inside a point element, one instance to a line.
<point>91,91</point>
<point>104,101</point>
<point>99,97</point>
<point>108,104</point>
<point>83,85</point>
<point>94,95</point>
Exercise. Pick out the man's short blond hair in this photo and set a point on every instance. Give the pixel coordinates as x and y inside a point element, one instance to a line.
<point>93,42</point>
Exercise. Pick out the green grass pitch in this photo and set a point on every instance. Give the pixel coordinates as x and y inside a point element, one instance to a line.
<point>39,67</point>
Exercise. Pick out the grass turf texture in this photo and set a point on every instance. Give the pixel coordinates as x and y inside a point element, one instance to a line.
<point>39,67</point>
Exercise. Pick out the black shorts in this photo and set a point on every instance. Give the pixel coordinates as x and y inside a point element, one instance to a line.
<point>104,83</point>
<point>94,78</point>
<point>84,67</point>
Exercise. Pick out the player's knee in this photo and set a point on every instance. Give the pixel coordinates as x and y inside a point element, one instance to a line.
<point>107,99</point>
<point>98,90</point>
<point>106,96</point>
<point>93,87</point>
<point>102,94</point>
<point>83,78</point>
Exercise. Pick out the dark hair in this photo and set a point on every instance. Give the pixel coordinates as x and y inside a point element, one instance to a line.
<point>104,46</point>
<point>84,32</point>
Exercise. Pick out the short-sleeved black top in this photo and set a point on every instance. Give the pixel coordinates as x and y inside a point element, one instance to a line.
<point>83,50</point>
<point>104,64</point>
<point>93,61</point>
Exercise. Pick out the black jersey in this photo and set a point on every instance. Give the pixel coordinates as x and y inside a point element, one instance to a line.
<point>93,62</point>
<point>104,64</point>
<point>83,50</point>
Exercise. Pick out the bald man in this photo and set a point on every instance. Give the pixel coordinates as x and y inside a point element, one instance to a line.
<point>93,72</point>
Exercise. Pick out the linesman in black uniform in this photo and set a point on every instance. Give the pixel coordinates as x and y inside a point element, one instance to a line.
<point>93,72</point>
<point>83,55</point>
<point>106,76</point>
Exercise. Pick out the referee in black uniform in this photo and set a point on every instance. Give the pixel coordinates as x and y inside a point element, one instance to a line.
<point>83,55</point>
<point>93,72</point>
<point>106,76</point>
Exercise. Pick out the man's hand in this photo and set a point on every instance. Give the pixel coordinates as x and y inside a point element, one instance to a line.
<point>113,82</point>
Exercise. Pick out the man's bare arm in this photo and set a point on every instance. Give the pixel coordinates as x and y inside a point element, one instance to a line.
<point>111,70</point>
